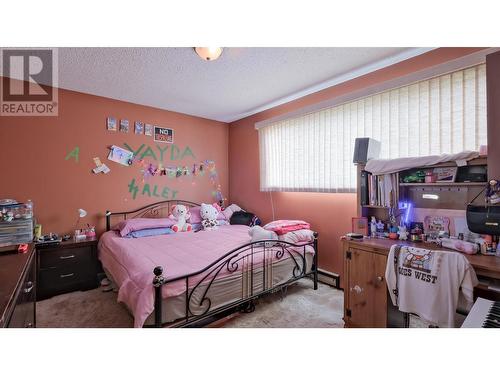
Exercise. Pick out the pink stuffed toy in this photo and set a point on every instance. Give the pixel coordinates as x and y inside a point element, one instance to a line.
<point>181,214</point>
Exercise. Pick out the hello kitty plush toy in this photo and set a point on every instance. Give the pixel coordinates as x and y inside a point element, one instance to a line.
<point>181,214</point>
<point>209,215</point>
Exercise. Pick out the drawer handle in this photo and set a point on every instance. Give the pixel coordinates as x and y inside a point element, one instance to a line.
<point>66,257</point>
<point>67,275</point>
<point>29,287</point>
<point>28,325</point>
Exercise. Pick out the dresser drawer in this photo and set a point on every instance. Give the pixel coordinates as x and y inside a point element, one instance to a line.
<point>23,314</point>
<point>63,276</point>
<point>65,279</point>
<point>64,257</point>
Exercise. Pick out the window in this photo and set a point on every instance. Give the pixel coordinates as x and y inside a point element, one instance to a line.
<point>313,152</point>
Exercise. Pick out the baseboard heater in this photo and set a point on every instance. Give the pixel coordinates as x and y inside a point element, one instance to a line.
<point>329,278</point>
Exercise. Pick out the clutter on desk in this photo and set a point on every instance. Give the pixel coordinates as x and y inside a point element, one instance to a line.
<point>16,222</point>
<point>85,233</point>
<point>459,245</point>
<point>48,239</point>
<point>354,236</point>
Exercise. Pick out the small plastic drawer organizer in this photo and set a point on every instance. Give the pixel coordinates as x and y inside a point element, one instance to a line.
<point>16,224</point>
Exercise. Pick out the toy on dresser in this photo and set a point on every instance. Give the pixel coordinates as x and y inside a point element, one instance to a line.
<point>208,214</point>
<point>181,214</point>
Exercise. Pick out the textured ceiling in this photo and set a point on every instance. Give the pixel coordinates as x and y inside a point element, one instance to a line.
<point>241,82</point>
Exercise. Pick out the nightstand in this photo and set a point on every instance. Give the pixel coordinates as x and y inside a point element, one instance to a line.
<point>65,267</point>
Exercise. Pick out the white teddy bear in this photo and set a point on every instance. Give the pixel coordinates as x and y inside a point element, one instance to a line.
<point>181,214</point>
<point>260,234</point>
<point>209,215</point>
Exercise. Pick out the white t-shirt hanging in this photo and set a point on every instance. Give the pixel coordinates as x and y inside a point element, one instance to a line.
<point>430,283</point>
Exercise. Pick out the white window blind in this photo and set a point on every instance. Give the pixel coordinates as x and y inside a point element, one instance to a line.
<point>313,152</point>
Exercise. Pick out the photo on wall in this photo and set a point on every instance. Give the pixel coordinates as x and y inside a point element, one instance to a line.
<point>165,135</point>
<point>124,126</point>
<point>120,155</point>
<point>139,127</point>
<point>111,124</point>
<point>148,130</point>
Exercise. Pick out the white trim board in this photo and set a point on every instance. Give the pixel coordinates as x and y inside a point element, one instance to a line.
<point>437,70</point>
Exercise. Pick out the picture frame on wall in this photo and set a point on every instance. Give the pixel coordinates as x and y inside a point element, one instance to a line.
<point>139,127</point>
<point>120,155</point>
<point>124,126</point>
<point>111,124</point>
<point>148,130</point>
<point>164,135</point>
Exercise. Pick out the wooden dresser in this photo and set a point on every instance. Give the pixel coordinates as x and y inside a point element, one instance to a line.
<point>18,289</point>
<point>366,300</point>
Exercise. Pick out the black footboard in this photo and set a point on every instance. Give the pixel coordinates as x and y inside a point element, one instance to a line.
<point>248,259</point>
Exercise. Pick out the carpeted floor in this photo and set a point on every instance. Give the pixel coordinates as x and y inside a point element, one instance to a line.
<point>301,307</point>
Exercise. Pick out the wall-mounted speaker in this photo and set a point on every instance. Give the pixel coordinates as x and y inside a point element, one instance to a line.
<point>365,149</point>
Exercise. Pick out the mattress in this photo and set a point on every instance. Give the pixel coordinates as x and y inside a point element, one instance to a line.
<point>129,262</point>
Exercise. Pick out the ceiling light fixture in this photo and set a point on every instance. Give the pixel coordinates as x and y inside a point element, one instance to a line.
<point>208,53</point>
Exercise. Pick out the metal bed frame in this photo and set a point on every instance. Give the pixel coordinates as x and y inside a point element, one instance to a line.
<point>198,310</point>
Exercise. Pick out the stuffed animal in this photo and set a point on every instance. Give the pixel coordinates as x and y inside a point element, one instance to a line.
<point>260,234</point>
<point>208,214</point>
<point>181,214</point>
<point>403,233</point>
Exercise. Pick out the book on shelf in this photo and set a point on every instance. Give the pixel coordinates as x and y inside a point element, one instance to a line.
<point>377,189</point>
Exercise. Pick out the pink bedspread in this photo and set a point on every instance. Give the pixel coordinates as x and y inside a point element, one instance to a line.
<point>131,262</point>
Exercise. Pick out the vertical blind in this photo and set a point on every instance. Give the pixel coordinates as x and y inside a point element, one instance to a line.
<point>313,152</point>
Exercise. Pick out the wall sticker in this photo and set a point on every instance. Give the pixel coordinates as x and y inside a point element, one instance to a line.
<point>75,153</point>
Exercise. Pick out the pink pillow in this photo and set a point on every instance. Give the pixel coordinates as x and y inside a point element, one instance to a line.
<point>284,226</point>
<point>196,217</point>
<point>132,225</point>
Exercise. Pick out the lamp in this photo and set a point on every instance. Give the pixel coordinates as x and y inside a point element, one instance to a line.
<point>208,53</point>
<point>82,212</point>
<point>78,235</point>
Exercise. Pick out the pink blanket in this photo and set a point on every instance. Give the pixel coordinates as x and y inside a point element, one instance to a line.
<point>131,262</point>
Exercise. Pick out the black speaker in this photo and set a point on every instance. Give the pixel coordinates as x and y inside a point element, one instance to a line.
<point>365,149</point>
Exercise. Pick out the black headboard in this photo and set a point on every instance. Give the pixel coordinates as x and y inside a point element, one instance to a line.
<point>154,210</point>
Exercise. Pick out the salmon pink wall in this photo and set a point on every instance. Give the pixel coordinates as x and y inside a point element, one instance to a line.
<point>33,166</point>
<point>329,214</point>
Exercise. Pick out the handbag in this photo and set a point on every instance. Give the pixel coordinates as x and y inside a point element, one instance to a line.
<point>483,219</point>
<point>242,218</point>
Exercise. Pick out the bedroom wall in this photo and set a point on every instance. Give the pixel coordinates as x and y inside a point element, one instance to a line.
<point>34,160</point>
<point>329,214</point>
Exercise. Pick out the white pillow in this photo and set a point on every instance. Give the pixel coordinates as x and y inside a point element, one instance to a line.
<point>301,235</point>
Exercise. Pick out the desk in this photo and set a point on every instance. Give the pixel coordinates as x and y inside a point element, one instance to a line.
<point>366,303</point>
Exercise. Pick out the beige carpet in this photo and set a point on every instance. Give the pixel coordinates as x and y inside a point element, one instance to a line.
<point>301,307</point>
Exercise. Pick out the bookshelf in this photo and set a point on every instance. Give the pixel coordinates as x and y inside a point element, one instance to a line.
<point>453,195</point>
